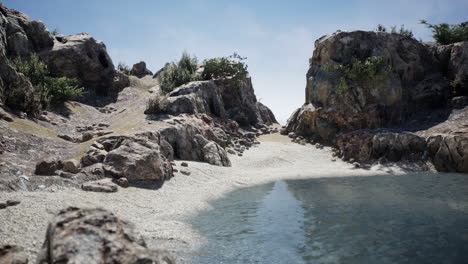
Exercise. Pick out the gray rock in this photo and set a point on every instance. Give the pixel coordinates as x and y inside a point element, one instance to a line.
<point>71,165</point>
<point>139,70</point>
<point>104,185</point>
<point>137,161</point>
<point>10,254</point>
<point>82,57</point>
<point>122,182</point>
<point>184,164</point>
<point>48,167</point>
<point>95,236</point>
<point>87,136</point>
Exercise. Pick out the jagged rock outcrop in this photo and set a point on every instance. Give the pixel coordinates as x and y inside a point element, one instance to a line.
<point>95,236</point>
<point>77,56</point>
<point>220,98</point>
<point>190,143</point>
<point>421,77</point>
<point>19,36</point>
<point>84,58</point>
<point>415,81</point>
<point>146,156</point>
<point>23,35</point>
<point>139,70</point>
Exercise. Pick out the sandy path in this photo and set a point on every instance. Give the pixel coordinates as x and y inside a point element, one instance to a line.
<point>160,215</point>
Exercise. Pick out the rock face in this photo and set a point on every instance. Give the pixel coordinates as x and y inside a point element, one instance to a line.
<point>139,70</point>
<point>422,77</point>
<point>19,36</point>
<point>84,58</point>
<point>95,236</point>
<point>219,98</point>
<point>78,56</point>
<point>414,82</point>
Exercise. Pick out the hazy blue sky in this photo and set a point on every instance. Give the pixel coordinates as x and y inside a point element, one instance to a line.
<point>277,37</point>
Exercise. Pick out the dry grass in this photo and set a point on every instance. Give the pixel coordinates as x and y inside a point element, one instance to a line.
<point>28,126</point>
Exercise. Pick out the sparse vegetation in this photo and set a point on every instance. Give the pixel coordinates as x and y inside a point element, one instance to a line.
<point>366,73</point>
<point>176,74</point>
<point>154,105</point>
<point>124,68</point>
<point>446,34</point>
<point>232,67</point>
<point>55,32</point>
<point>402,31</point>
<point>50,90</point>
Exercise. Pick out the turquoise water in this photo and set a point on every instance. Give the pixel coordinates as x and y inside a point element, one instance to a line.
<point>415,218</point>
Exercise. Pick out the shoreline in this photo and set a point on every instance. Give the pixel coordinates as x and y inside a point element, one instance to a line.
<point>160,213</point>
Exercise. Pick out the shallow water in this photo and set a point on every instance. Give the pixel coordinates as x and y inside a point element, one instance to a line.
<point>414,218</point>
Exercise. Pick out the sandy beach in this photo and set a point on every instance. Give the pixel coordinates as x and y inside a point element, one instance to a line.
<point>160,214</point>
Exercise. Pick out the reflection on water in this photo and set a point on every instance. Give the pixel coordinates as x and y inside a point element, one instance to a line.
<point>415,218</point>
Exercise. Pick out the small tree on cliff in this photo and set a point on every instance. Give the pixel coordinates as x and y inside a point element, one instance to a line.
<point>446,34</point>
<point>232,67</point>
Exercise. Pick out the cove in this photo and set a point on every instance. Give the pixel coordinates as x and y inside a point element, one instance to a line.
<point>411,218</point>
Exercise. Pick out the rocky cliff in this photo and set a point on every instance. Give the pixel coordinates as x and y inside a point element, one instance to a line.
<point>78,56</point>
<point>425,84</point>
<point>224,99</point>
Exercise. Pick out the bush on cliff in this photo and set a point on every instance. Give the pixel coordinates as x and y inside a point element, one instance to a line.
<point>174,74</point>
<point>402,31</point>
<point>231,67</point>
<point>51,90</point>
<point>446,34</point>
<point>366,73</point>
<point>124,68</point>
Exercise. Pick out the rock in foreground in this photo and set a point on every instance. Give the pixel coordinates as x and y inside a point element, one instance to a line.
<point>95,236</point>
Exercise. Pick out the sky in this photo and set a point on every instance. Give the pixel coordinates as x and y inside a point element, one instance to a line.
<point>277,37</point>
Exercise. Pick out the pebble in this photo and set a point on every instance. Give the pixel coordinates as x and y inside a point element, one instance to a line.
<point>185,172</point>
<point>184,164</point>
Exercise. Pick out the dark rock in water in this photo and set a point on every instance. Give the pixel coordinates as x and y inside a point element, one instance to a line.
<point>139,70</point>
<point>48,167</point>
<point>84,58</point>
<point>10,254</point>
<point>449,153</point>
<point>104,185</point>
<point>95,236</point>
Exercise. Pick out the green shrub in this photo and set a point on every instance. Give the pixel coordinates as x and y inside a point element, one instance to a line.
<point>446,34</point>
<point>402,31</point>
<point>174,74</point>
<point>366,73</point>
<point>51,90</point>
<point>231,67</point>
<point>55,32</point>
<point>124,68</point>
<point>155,105</point>
<point>381,28</point>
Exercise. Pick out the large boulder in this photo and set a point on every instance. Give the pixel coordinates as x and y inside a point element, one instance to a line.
<point>414,82</point>
<point>139,70</point>
<point>137,161</point>
<point>24,35</point>
<point>84,58</point>
<point>95,236</point>
<point>449,152</point>
<point>190,143</point>
<point>235,100</point>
